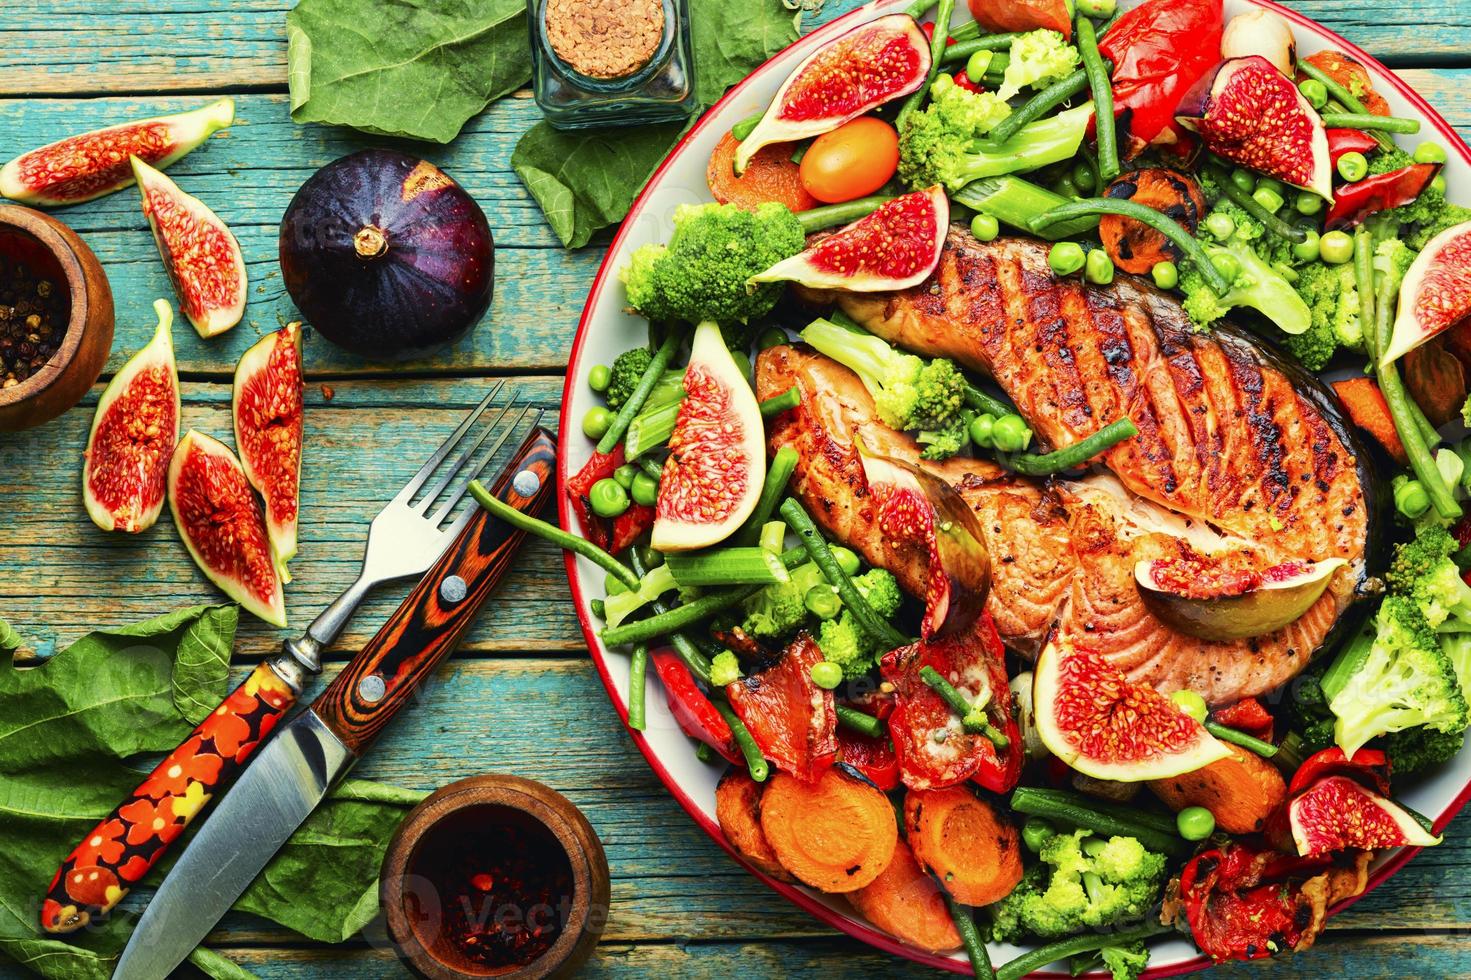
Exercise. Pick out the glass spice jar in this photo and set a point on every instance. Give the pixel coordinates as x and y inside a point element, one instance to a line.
<point>611,62</point>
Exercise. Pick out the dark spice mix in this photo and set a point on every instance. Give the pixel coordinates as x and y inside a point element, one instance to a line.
<point>33,315</point>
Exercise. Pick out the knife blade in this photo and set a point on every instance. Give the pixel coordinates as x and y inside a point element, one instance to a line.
<point>292,773</point>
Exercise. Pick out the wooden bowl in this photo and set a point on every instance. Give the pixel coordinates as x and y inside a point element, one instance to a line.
<point>52,249</point>
<point>413,907</point>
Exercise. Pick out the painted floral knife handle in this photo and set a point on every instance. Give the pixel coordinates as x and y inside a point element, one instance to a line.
<point>119,851</point>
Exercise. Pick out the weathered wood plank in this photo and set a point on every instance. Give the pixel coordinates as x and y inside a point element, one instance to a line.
<point>62,576</point>
<point>88,46</point>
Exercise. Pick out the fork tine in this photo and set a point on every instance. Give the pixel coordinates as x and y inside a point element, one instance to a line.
<point>446,448</point>
<point>443,512</point>
<point>447,473</point>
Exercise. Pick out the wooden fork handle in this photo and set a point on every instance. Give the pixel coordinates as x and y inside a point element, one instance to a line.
<point>382,678</point>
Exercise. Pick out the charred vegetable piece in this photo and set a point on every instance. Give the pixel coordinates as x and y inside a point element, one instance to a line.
<point>789,716</point>
<point>1358,200</point>
<point>1136,247</point>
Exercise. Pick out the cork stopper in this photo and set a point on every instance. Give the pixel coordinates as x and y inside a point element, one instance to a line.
<point>605,38</point>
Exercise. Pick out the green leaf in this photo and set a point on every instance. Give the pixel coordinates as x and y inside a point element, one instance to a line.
<point>203,663</point>
<point>732,39</point>
<point>413,68</point>
<point>218,966</point>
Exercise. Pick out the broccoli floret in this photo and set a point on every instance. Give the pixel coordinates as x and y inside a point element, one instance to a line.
<point>843,641</point>
<point>1400,679</point>
<point>1036,57</point>
<point>724,668</point>
<point>704,272</point>
<point>1418,749</point>
<point>1332,297</point>
<point>1424,572</point>
<point>1080,882</point>
<point>932,150</point>
<point>961,110</point>
<point>1126,962</point>
<point>780,609</point>
<point>1258,286</point>
<point>1466,412</point>
<point>908,391</point>
<point>1313,720</point>
<point>946,442</point>
<point>627,369</point>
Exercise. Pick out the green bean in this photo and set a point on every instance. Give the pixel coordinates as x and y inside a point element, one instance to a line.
<point>1154,219</point>
<point>1039,105</point>
<point>968,31</point>
<point>1264,749</point>
<point>937,53</point>
<point>697,662</point>
<point>638,665</point>
<point>1098,81</point>
<point>970,937</point>
<point>1071,457</point>
<point>777,404</point>
<point>961,707</point>
<point>919,8</point>
<point>778,474</point>
<point>550,532</point>
<point>1341,93</point>
<point>1364,282</point>
<point>874,625</point>
<point>1081,813</point>
<point>962,50</point>
<point>654,468</point>
<point>1062,949</point>
<point>755,761</point>
<point>1161,822</point>
<point>1367,120</point>
<point>982,402</point>
<point>747,125</point>
<point>1253,207</point>
<point>864,724</point>
<point>635,404</point>
<point>828,216</point>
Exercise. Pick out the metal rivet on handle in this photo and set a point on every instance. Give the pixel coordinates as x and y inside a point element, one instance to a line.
<point>372,688</point>
<point>452,589</point>
<point>526,483</point>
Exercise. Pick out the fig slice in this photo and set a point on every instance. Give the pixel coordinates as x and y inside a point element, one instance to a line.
<point>717,453</point>
<point>89,165</point>
<point>1338,813</point>
<point>895,247</point>
<point>201,256</point>
<point>1248,112</point>
<point>267,407</point>
<point>1094,719</point>
<point>126,463</point>
<point>1436,294</point>
<point>223,526</point>
<point>855,73</point>
<point>1210,599</point>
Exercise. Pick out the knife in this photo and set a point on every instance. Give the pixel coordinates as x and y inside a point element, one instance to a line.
<point>296,769</point>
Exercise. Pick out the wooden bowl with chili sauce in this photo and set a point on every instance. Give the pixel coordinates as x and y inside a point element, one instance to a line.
<point>66,312</point>
<point>495,876</point>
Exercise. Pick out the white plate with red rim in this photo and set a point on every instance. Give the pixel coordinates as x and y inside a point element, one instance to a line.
<point>607,330</point>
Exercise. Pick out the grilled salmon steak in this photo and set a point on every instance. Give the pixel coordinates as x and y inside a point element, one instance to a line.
<point>1232,455</point>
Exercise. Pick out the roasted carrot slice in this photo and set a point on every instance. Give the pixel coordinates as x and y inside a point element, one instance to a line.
<point>1352,76</point>
<point>1134,246</point>
<point>837,834</point>
<point>738,808</point>
<point>1240,791</point>
<point>905,901</point>
<point>964,842</point>
<point>1369,411</point>
<point>771,176</point>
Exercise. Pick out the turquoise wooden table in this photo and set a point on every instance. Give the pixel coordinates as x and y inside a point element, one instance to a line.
<point>520,696</point>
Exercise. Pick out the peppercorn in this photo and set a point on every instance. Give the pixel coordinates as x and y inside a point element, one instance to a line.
<point>33,315</point>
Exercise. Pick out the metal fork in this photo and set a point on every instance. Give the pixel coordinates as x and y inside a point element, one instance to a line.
<point>405,538</point>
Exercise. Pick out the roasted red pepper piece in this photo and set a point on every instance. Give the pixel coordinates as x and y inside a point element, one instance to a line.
<point>873,757</point>
<point>1239,907</point>
<point>933,750</point>
<point>1247,716</point>
<point>1159,49</point>
<point>790,717</point>
<point>998,16</point>
<point>929,32</point>
<point>1341,141</point>
<point>690,707</point>
<point>1352,203</point>
<point>622,531</point>
<point>1368,766</point>
<point>962,80</point>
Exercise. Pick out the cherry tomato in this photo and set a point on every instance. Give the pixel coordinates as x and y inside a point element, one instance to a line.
<point>855,159</point>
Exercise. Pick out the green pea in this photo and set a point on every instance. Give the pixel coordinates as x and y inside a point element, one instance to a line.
<point>1268,199</point>
<point>1085,176</point>
<point>771,337</point>
<point>1065,258</point>
<point>1307,202</point>
<point>651,557</point>
<point>1410,499</point>
<point>607,498</point>
<point>1314,91</point>
<point>1307,250</point>
<point>1195,823</point>
<point>1035,833</point>
<point>1220,225</point>
<point>599,378</point>
<point>975,67</point>
<point>1011,434</point>
<point>1098,268</point>
<point>822,602</point>
<point>1430,152</point>
<point>1353,166</point>
<point>596,422</point>
<point>1336,248</point>
<point>827,675</point>
<point>1166,274</point>
<point>1244,179</point>
<point>1270,183</point>
<point>984,227</point>
<point>625,474</point>
<point>644,490</point>
<point>847,560</point>
<point>1190,703</point>
<point>1097,8</point>
<point>1437,184</point>
<point>1067,188</point>
<point>980,429</point>
<point>1228,265</point>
